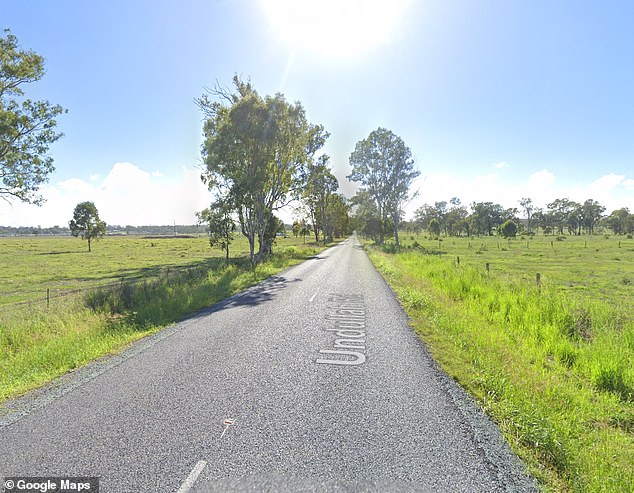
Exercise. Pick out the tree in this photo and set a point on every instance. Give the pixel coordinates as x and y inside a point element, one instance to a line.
<point>256,149</point>
<point>540,220</point>
<point>275,226</point>
<point>305,229</point>
<point>366,216</point>
<point>383,164</point>
<point>86,223</point>
<point>565,213</point>
<point>591,214</point>
<point>527,204</point>
<point>296,228</point>
<point>454,218</point>
<point>320,184</point>
<point>27,128</point>
<point>485,217</point>
<point>424,214</point>
<point>621,221</point>
<point>434,227</point>
<point>221,226</point>
<point>337,216</point>
<point>508,229</point>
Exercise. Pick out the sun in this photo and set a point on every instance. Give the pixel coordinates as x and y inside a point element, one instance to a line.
<point>334,28</point>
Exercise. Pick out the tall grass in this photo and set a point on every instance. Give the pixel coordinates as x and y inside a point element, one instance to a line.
<point>556,372</point>
<point>38,344</point>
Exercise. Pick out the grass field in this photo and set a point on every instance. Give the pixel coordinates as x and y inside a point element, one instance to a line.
<point>552,364</point>
<point>62,264</point>
<point>127,288</point>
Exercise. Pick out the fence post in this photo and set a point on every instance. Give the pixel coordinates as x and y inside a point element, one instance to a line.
<point>488,266</point>
<point>538,279</point>
<point>458,260</point>
<point>48,298</point>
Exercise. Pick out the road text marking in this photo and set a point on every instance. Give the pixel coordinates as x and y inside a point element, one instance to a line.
<point>193,476</point>
<point>347,314</point>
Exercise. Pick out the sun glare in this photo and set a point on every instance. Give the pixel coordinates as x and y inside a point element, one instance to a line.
<point>334,28</point>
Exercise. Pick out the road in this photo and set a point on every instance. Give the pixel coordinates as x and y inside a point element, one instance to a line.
<point>310,381</point>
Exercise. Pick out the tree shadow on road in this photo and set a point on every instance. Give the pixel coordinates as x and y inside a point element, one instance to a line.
<point>261,293</point>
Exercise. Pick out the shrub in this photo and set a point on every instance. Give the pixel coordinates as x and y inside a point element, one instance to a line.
<point>508,229</point>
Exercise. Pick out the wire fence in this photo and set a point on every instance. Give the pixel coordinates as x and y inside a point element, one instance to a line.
<point>49,295</point>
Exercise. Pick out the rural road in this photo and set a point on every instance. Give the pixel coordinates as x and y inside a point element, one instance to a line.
<point>320,381</point>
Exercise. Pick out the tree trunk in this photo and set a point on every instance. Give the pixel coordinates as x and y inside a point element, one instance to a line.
<point>252,250</point>
<point>395,217</point>
<point>89,250</point>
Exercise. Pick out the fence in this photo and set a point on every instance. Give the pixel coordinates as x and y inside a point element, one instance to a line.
<point>49,295</point>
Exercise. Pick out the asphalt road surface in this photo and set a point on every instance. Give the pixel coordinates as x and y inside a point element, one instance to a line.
<point>310,381</point>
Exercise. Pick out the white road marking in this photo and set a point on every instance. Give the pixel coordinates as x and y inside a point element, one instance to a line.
<point>313,296</point>
<point>193,476</point>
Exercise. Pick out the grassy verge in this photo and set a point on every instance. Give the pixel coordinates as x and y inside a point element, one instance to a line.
<point>39,344</point>
<point>555,371</point>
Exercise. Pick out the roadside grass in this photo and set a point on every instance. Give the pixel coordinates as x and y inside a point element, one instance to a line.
<point>62,264</point>
<point>38,343</point>
<point>553,366</point>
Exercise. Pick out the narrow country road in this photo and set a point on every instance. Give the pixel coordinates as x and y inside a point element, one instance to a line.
<point>311,381</point>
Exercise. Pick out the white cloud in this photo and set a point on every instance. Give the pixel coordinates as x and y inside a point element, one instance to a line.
<point>131,195</point>
<point>502,164</point>
<point>607,182</point>
<point>127,195</point>
<point>543,177</point>
<point>124,178</point>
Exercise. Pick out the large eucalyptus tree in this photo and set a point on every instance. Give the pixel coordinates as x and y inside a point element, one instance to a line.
<point>256,149</point>
<point>383,164</point>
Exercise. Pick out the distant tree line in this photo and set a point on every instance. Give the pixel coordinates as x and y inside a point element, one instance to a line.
<point>560,217</point>
<point>191,229</point>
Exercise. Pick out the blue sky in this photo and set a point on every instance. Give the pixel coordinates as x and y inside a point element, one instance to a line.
<point>498,100</point>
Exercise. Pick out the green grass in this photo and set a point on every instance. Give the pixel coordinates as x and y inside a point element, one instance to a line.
<point>553,366</point>
<point>130,288</point>
<point>62,264</point>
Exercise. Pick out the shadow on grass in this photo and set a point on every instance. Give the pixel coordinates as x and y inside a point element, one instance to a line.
<point>65,252</point>
<point>195,292</point>
<point>147,273</point>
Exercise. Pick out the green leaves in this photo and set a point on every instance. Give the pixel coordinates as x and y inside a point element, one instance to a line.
<point>26,127</point>
<point>86,223</point>
<point>383,165</point>
<point>221,225</point>
<point>255,151</point>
